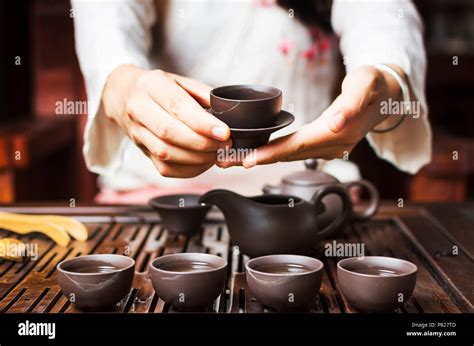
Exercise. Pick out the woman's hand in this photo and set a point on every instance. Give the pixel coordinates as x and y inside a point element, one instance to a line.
<point>162,113</point>
<point>342,125</point>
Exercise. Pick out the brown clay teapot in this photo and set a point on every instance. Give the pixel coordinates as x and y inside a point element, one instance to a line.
<point>278,224</point>
<point>306,183</point>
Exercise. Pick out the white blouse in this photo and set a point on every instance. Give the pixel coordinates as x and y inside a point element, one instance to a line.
<point>239,42</point>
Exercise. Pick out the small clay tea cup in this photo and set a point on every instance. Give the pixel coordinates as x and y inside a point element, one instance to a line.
<point>284,282</point>
<point>376,284</point>
<point>246,106</point>
<point>188,281</point>
<point>182,213</point>
<point>96,282</point>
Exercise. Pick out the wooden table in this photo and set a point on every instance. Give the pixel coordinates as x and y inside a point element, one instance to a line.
<point>438,238</point>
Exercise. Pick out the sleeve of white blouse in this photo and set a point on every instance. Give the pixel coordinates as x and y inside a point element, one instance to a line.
<point>108,34</point>
<point>389,32</point>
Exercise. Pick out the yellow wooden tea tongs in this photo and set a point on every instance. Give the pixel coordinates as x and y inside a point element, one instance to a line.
<point>58,228</point>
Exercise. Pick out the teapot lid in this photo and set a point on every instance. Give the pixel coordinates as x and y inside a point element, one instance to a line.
<point>309,177</point>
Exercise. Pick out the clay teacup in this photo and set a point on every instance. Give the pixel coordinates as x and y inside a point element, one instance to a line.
<point>181,214</point>
<point>284,282</point>
<point>246,106</point>
<point>96,282</point>
<point>188,281</point>
<point>376,284</point>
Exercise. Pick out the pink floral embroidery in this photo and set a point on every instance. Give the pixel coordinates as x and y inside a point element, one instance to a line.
<point>319,48</point>
<point>285,47</point>
<point>324,44</point>
<point>267,3</point>
<point>317,53</point>
<point>311,53</point>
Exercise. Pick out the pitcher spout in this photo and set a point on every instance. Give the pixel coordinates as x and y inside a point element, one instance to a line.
<point>227,201</point>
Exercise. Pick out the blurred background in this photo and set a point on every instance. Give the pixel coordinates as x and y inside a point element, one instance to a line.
<point>40,151</point>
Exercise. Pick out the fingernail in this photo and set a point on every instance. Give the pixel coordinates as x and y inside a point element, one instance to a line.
<point>219,133</point>
<point>226,145</point>
<point>227,164</point>
<point>250,161</point>
<point>337,122</point>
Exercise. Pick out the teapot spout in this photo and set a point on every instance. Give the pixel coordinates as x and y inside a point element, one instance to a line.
<point>227,201</point>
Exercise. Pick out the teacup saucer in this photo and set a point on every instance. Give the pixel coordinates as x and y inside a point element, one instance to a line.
<point>253,138</point>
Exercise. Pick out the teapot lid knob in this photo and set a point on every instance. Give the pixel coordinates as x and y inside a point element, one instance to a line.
<point>311,164</point>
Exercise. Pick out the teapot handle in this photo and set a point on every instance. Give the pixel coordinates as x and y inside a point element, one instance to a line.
<point>346,211</point>
<point>373,196</point>
<point>271,189</point>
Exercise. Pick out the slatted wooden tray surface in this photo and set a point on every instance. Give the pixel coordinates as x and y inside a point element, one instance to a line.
<point>32,286</point>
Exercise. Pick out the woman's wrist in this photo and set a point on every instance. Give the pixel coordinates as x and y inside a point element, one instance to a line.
<point>117,88</point>
<point>392,93</point>
<point>393,87</point>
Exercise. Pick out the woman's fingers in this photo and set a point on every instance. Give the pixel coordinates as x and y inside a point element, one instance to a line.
<point>177,102</point>
<point>147,112</point>
<point>326,153</point>
<point>275,151</point>
<point>340,111</point>
<point>336,115</point>
<point>283,150</point>
<point>199,91</point>
<point>307,137</point>
<point>167,152</point>
<point>161,113</point>
<point>313,140</point>
<point>175,170</point>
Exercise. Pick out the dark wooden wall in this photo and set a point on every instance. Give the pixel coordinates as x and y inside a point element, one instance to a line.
<point>51,164</point>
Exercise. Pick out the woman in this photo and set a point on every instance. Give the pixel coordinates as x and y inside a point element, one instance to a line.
<point>148,126</point>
